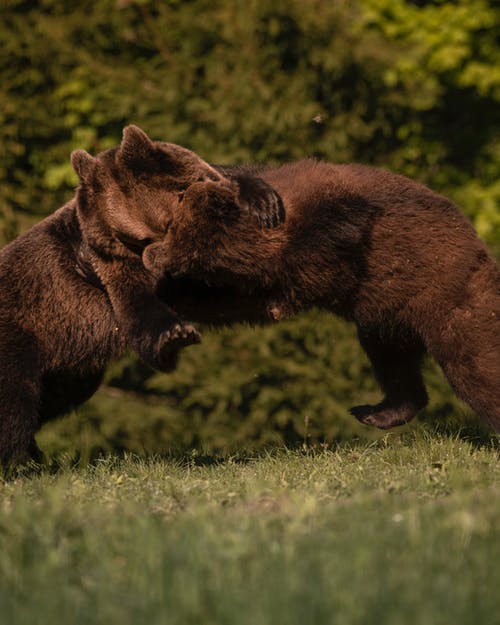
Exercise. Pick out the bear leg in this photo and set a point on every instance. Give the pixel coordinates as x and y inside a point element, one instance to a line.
<point>477,384</point>
<point>467,346</point>
<point>397,368</point>
<point>152,329</point>
<point>20,390</point>
<point>18,421</point>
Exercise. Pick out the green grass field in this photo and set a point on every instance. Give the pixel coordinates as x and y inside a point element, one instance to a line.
<point>404,530</point>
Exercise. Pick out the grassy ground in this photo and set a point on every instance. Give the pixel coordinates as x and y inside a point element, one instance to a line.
<point>404,530</point>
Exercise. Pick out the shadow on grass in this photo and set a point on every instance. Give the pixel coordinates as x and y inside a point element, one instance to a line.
<point>469,430</point>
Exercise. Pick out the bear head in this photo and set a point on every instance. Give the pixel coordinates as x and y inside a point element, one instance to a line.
<point>211,239</point>
<point>125,194</point>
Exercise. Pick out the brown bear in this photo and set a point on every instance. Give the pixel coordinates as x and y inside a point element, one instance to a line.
<point>123,205</point>
<point>57,330</point>
<point>383,251</point>
<point>62,316</point>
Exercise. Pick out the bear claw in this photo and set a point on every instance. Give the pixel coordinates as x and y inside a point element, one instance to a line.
<point>181,334</point>
<point>171,342</point>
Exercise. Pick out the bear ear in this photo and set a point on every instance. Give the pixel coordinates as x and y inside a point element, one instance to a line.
<point>83,164</point>
<point>136,146</point>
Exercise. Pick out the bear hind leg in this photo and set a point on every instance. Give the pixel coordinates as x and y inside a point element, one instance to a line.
<point>397,368</point>
<point>472,366</point>
<point>18,422</point>
<point>467,344</point>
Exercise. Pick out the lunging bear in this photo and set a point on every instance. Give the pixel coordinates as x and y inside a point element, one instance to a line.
<point>376,248</point>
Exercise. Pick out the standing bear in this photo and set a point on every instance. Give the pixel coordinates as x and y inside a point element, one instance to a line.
<point>376,248</point>
<point>75,293</point>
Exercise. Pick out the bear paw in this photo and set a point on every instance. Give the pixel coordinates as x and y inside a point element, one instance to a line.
<point>181,334</point>
<point>171,341</point>
<point>178,336</point>
<point>384,417</point>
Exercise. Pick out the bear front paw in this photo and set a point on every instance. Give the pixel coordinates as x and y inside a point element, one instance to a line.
<point>263,203</point>
<point>171,341</point>
<point>181,334</point>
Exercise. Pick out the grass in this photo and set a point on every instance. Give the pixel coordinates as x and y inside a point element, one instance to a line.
<point>404,530</point>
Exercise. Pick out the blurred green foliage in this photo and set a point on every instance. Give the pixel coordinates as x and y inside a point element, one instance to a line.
<point>409,85</point>
<point>241,389</point>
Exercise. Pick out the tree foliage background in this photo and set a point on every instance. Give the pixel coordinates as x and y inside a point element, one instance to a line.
<point>409,85</point>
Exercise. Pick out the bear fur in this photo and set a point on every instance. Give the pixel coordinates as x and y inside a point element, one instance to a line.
<point>57,330</point>
<point>75,293</point>
<point>123,204</point>
<point>376,248</point>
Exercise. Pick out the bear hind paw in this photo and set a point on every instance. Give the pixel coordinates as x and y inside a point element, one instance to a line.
<point>385,416</point>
